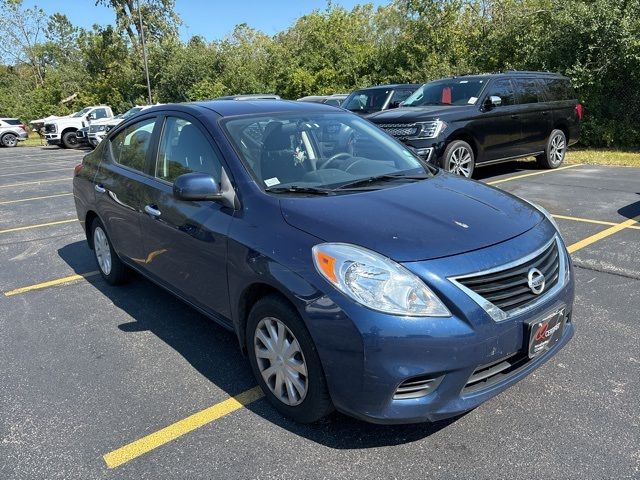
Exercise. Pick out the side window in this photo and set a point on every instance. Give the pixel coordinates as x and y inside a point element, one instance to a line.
<point>184,149</point>
<point>559,89</point>
<point>100,113</point>
<point>129,147</point>
<point>504,90</point>
<point>400,96</point>
<point>529,90</point>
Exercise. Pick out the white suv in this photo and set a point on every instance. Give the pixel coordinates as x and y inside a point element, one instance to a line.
<point>12,131</point>
<point>99,128</point>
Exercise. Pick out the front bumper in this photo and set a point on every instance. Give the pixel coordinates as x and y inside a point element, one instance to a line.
<point>52,138</point>
<point>366,355</point>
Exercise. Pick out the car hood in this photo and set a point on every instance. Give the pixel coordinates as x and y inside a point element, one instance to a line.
<point>412,114</point>
<point>438,217</point>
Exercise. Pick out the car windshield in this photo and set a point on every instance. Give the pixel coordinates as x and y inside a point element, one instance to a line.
<point>131,112</point>
<point>454,91</point>
<point>82,112</point>
<point>367,101</point>
<point>321,151</point>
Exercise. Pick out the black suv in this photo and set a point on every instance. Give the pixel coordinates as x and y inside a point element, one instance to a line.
<point>463,122</point>
<point>381,97</point>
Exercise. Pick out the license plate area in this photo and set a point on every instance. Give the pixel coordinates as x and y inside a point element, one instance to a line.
<point>545,332</point>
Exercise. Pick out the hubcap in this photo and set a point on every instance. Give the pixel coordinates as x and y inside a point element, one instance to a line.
<point>460,162</point>
<point>102,249</point>
<point>558,146</point>
<point>281,361</point>
<point>9,140</point>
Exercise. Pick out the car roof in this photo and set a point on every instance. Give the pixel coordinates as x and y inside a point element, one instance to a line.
<point>228,108</point>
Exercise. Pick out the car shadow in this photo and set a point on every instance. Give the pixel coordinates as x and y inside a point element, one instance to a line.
<point>513,167</point>
<point>214,352</point>
<point>630,211</point>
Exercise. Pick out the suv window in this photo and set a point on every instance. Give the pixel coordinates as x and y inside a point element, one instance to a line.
<point>11,121</point>
<point>504,90</point>
<point>559,89</point>
<point>129,147</point>
<point>184,149</point>
<point>529,90</point>
<point>399,96</point>
<point>100,113</point>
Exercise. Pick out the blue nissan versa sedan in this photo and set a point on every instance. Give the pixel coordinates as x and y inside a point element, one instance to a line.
<point>356,276</point>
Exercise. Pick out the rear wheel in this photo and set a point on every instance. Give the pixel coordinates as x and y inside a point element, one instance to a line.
<point>69,140</point>
<point>459,158</point>
<point>555,151</point>
<point>111,267</point>
<point>9,140</point>
<point>285,361</point>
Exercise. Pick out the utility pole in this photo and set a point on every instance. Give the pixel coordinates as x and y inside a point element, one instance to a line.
<point>144,54</point>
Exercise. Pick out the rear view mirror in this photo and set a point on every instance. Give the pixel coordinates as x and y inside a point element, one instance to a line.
<point>196,186</point>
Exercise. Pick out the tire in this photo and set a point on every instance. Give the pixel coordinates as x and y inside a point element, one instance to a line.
<point>109,264</point>
<point>273,314</point>
<point>69,140</point>
<point>459,159</point>
<point>555,150</point>
<point>9,140</point>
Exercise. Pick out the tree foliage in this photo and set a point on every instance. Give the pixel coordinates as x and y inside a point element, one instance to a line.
<point>594,42</point>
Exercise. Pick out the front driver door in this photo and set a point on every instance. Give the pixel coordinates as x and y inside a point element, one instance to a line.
<point>186,241</point>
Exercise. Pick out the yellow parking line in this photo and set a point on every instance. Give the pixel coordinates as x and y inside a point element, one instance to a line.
<point>8,202</point>
<point>37,171</point>
<point>29,227</point>
<point>165,435</point>
<point>50,283</point>
<point>37,182</point>
<point>588,220</point>
<point>603,234</point>
<point>542,172</point>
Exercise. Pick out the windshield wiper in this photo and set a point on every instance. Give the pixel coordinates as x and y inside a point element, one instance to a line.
<point>381,178</point>
<point>299,189</point>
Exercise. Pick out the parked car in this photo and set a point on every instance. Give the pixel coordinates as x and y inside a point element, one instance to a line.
<point>335,100</point>
<point>62,131</point>
<point>463,122</point>
<point>99,128</point>
<point>242,210</point>
<point>375,99</point>
<point>12,130</point>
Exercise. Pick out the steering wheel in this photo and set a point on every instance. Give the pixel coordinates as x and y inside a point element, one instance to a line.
<point>337,156</point>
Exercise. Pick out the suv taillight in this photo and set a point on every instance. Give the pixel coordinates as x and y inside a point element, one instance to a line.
<point>77,169</point>
<point>579,111</point>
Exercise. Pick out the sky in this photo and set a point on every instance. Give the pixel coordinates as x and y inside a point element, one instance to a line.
<point>212,19</point>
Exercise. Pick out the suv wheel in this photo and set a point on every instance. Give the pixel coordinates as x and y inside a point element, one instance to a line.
<point>69,140</point>
<point>555,151</point>
<point>285,361</point>
<point>458,158</point>
<point>111,267</point>
<point>9,140</point>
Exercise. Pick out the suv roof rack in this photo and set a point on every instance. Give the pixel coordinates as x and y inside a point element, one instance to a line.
<point>530,72</point>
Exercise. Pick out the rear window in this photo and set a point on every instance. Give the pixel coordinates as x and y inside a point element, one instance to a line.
<point>12,121</point>
<point>559,89</point>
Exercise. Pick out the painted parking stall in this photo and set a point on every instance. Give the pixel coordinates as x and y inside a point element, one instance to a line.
<point>104,381</point>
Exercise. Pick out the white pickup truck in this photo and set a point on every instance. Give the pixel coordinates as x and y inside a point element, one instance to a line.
<point>62,131</point>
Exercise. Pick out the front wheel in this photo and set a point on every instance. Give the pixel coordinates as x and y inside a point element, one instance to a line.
<point>9,140</point>
<point>459,158</point>
<point>555,150</point>
<point>69,140</point>
<point>285,361</point>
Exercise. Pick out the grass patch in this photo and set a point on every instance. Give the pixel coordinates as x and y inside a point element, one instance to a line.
<point>603,157</point>
<point>34,140</point>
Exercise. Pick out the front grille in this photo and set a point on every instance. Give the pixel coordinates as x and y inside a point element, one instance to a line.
<point>491,373</point>
<point>50,128</point>
<point>416,387</point>
<point>400,130</point>
<point>508,289</point>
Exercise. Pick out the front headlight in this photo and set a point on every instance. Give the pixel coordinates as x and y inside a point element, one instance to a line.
<point>431,129</point>
<point>101,128</point>
<point>375,281</point>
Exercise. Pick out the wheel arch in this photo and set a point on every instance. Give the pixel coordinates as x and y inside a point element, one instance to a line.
<point>564,127</point>
<point>88,220</point>
<point>465,136</point>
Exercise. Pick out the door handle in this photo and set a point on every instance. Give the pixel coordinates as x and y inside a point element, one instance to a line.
<point>545,113</point>
<point>151,210</point>
<point>99,188</point>
<point>515,117</point>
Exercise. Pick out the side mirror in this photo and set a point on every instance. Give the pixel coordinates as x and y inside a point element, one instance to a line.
<point>196,186</point>
<point>492,102</point>
<point>91,116</point>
